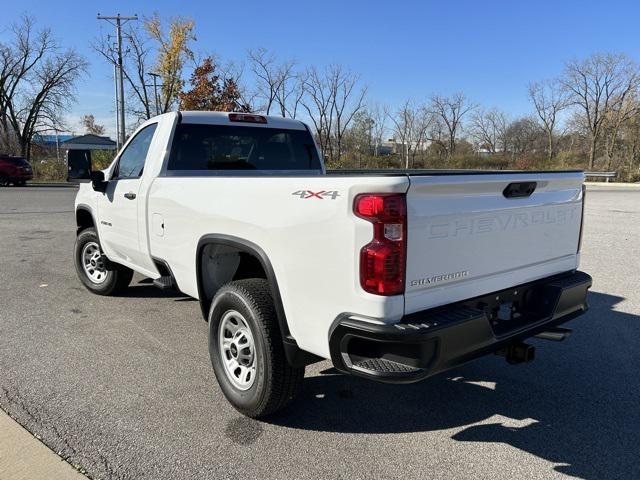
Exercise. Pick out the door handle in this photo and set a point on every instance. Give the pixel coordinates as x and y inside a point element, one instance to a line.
<point>130,195</point>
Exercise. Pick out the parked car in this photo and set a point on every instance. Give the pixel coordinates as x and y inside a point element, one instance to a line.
<point>392,275</point>
<point>14,170</point>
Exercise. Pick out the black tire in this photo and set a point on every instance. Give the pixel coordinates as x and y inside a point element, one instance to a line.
<point>276,382</point>
<point>117,277</point>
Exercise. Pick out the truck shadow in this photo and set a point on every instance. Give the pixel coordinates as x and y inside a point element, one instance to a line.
<point>577,405</point>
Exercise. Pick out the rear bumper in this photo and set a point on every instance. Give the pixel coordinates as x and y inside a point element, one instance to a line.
<point>425,343</point>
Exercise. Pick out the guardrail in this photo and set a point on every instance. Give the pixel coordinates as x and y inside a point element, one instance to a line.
<point>605,175</point>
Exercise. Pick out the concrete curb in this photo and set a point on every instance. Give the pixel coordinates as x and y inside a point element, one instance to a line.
<point>24,457</point>
<point>612,184</point>
<point>52,185</point>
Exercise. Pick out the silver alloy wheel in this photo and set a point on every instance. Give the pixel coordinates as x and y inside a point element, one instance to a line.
<point>93,262</point>
<point>237,350</point>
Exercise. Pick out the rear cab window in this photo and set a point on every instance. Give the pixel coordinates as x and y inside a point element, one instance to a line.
<point>203,147</point>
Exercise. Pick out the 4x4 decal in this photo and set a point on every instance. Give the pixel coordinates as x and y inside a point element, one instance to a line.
<point>322,194</point>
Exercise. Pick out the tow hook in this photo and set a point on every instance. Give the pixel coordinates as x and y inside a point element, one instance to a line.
<point>518,352</point>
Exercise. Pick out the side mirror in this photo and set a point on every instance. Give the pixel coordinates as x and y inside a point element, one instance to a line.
<point>97,181</point>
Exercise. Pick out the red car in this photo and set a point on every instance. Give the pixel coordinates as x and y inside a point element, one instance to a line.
<point>14,170</point>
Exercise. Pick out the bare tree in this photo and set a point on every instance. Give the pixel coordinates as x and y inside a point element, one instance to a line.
<point>598,85</point>
<point>331,99</point>
<point>438,137</point>
<point>379,115</point>
<point>136,67</point>
<point>403,122</point>
<point>234,73</point>
<point>488,129</point>
<point>623,112</point>
<point>420,136</point>
<point>450,111</point>
<point>19,59</point>
<point>317,102</point>
<point>411,123</point>
<point>90,125</point>
<point>36,84</point>
<point>631,145</point>
<point>276,81</point>
<point>549,99</point>
<point>290,93</point>
<point>346,101</point>
<point>522,136</point>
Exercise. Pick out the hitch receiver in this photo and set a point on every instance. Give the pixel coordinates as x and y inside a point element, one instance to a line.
<point>518,352</point>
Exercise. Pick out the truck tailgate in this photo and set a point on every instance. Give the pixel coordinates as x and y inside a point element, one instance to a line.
<point>466,238</point>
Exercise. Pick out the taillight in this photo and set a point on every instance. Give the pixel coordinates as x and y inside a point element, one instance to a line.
<point>584,191</point>
<point>383,260</point>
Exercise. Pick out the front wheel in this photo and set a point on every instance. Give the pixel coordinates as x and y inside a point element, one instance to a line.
<point>246,350</point>
<point>94,269</point>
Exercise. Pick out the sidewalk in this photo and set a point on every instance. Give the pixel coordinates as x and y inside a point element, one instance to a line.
<point>52,184</point>
<point>24,457</point>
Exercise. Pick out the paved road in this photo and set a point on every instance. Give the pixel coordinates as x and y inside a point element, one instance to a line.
<point>123,387</point>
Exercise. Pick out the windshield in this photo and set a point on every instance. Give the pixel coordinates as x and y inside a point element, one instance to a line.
<point>224,147</point>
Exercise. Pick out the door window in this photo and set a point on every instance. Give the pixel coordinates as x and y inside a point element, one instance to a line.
<point>132,160</point>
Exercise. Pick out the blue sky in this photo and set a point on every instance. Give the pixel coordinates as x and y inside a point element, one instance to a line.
<point>488,49</point>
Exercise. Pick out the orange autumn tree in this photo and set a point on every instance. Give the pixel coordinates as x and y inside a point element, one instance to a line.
<point>209,91</point>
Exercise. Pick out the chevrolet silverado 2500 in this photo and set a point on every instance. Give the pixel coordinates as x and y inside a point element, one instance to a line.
<point>392,275</point>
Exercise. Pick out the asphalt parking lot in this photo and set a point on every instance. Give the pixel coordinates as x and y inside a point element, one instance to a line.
<point>123,386</point>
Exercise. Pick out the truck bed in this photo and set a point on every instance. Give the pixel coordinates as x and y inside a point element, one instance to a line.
<point>394,172</point>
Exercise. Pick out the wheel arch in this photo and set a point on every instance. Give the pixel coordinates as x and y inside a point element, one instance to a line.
<point>85,218</point>
<point>249,248</point>
<point>295,356</point>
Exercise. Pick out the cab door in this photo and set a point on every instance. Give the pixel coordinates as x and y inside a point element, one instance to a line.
<point>118,208</point>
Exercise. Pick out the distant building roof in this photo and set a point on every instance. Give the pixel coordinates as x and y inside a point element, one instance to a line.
<point>89,142</point>
<point>91,139</point>
<point>50,139</point>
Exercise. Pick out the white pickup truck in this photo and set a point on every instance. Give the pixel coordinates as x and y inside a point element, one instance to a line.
<point>393,275</point>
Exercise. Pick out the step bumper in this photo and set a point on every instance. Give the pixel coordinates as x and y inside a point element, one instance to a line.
<point>428,342</point>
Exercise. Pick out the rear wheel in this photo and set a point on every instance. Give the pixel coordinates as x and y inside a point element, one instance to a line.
<point>246,350</point>
<point>94,269</point>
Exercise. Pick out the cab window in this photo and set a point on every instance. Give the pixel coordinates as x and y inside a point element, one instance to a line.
<point>224,147</point>
<point>131,162</point>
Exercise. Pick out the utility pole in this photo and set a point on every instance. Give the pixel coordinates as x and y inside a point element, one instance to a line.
<point>57,145</point>
<point>115,86</point>
<point>119,21</point>
<point>155,90</point>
